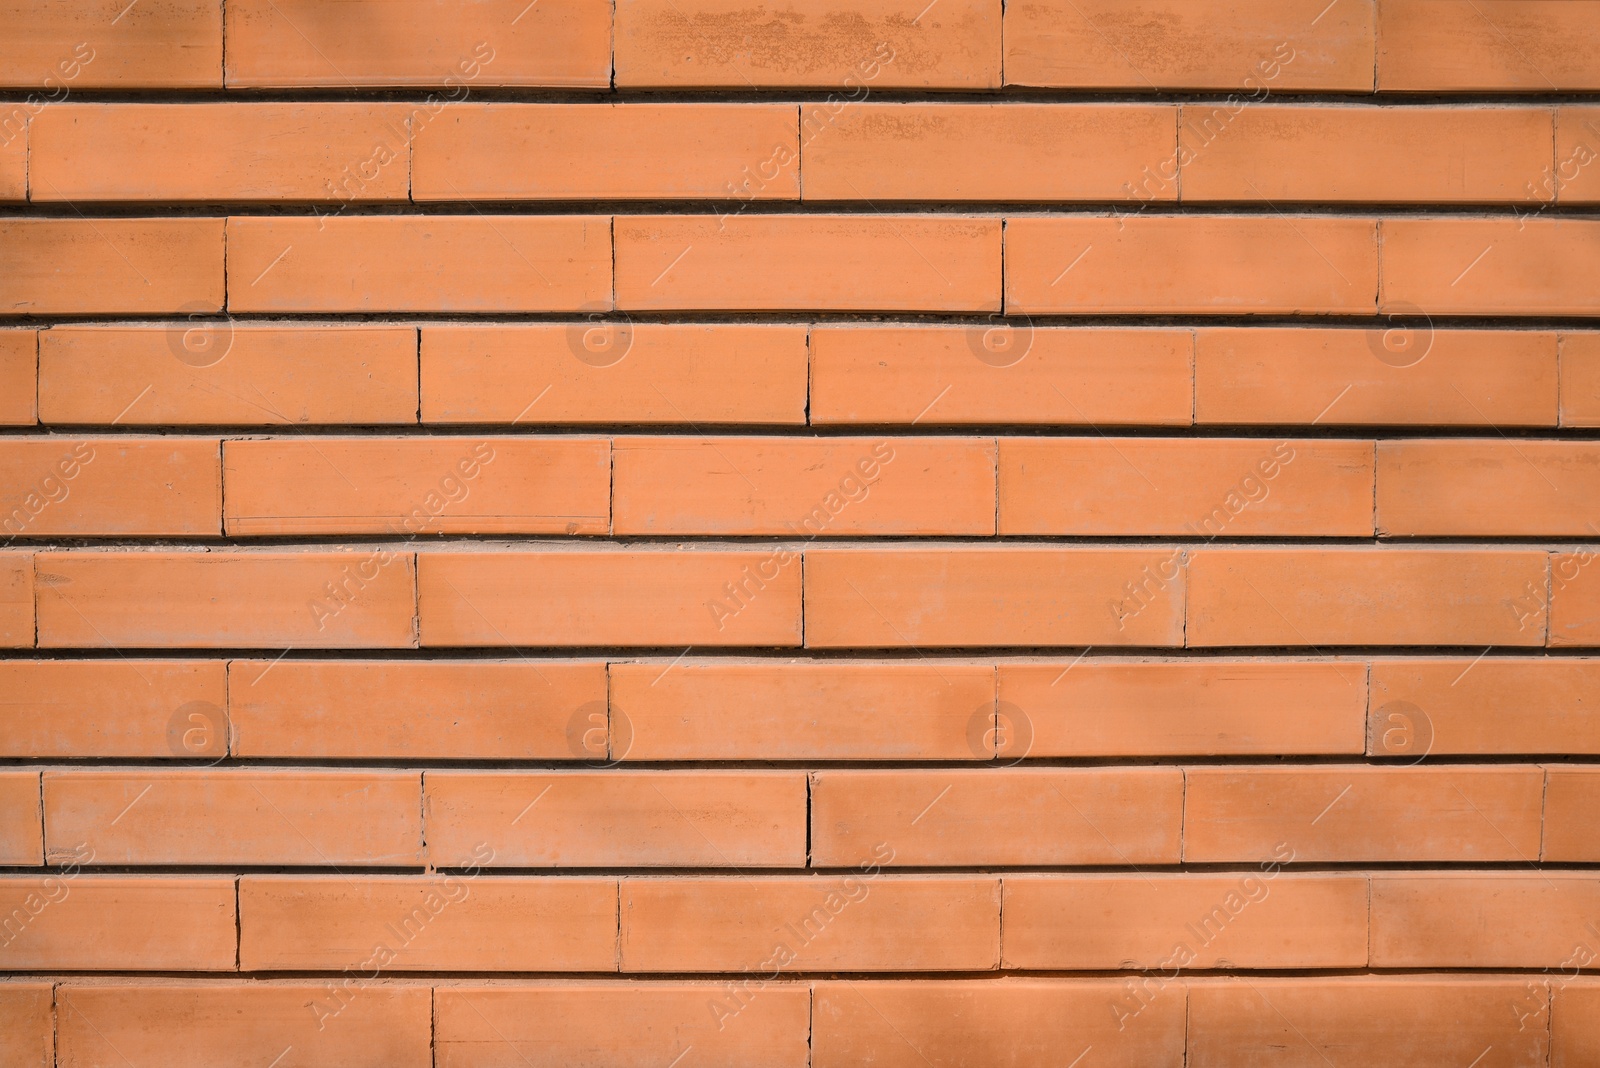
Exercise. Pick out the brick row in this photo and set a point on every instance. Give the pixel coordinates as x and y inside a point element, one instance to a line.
<point>1405,1020</point>
<point>389,597</point>
<point>869,152</point>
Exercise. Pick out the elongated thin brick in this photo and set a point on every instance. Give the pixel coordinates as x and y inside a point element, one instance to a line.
<point>21,832</point>
<point>227,600</point>
<point>418,42</point>
<point>1400,1020</point>
<point>434,923</point>
<point>441,263</point>
<point>962,818</point>
<point>1487,45</point>
<point>1263,46</point>
<point>207,371</point>
<point>1201,489</point>
<point>975,152</point>
<point>552,1025</point>
<point>1090,709</point>
<point>901,597</point>
<point>70,921</point>
<point>1026,1023</point>
<point>797,710</point>
<point>1482,488</point>
<point>871,262</point>
<point>28,1022</point>
<point>1467,266</point>
<point>462,710</point>
<point>611,598</point>
<point>1580,379</point>
<point>106,708</point>
<point>1201,265</point>
<point>318,818</point>
<point>79,266</point>
<point>1162,923</point>
<point>692,819</point>
<point>597,371</point>
<point>1000,373</point>
<point>323,151</point>
<point>1458,707</point>
<point>13,153</point>
<point>859,47</point>
<point>1572,177</point>
<point>17,626</point>
<point>104,44</point>
<point>415,487</point>
<point>1511,919</point>
<point>804,488</point>
<point>76,487</point>
<point>1571,807</point>
<point>1363,814</point>
<point>1315,597</point>
<point>609,152</point>
<point>1574,1037</point>
<point>861,922</point>
<point>1575,598</point>
<point>1387,155</point>
<point>363,1025</point>
<point>1407,372</point>
<point>19,364</point>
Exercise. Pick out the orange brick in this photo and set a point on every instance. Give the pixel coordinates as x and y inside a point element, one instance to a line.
<point>1508,45</point>
<point>1367,814</point>
<point>108,486</point>
<point>13,155</point>
<point>19,364</point>
<point>1204,489</point>
<point>418,487</point>
<point>1571,809</point>
<point>645,597</point>
<point>21,830</point>
<point>91,923</point>
<point>227,599</point>
<point>1573,175</point>
<point>214,372</point>
<point>1483,920</point>
<point>108,708</point>
<point>623,372</point>
<point>1580,379</point>
<point>1264,46</point>
<point>479,709</point>
<point>343,152</point>
<point>870,44</point>
<point>550,1025</point>
<point>811,262</point>
<point>318,818</point>
<point>1007,152</point>
<point>101,44</point>
<point>78,266</point>
<point>1366,597</point>
<point>445,263</point>
<point>17,627</point>
<point>1090,708</point>
<point>1392,1020</point>
<point>973,596</point>
<point>862,922</point>
<point>1487,487</point>
<point>362,1025</point>
<point>804,487</point>
<point>1574,599</point>
<point>935,375</point>
<point>1024,1023</point>
<point>1574,1037</point>
<point>1386,155</point>
<point>1164,923</point>
<point>609,152</point>
<point>29,1025</point>
<point>1458,707</point>
<point>611,819</point>
<point>1490,266</point>
<point>801,710</point>
<point>418,42</point>
<point>437,923</point>
<point>1406,373</point>
<point>1247,264</point>
<point>981,817</point>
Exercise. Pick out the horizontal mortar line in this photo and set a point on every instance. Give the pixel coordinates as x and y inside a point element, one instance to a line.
<point>155,765</point>
<point>503,544</point>
<point>753,654</point>
<point>691,430</point>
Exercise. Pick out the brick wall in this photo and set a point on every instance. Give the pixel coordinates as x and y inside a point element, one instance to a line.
<point>693,533</point>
